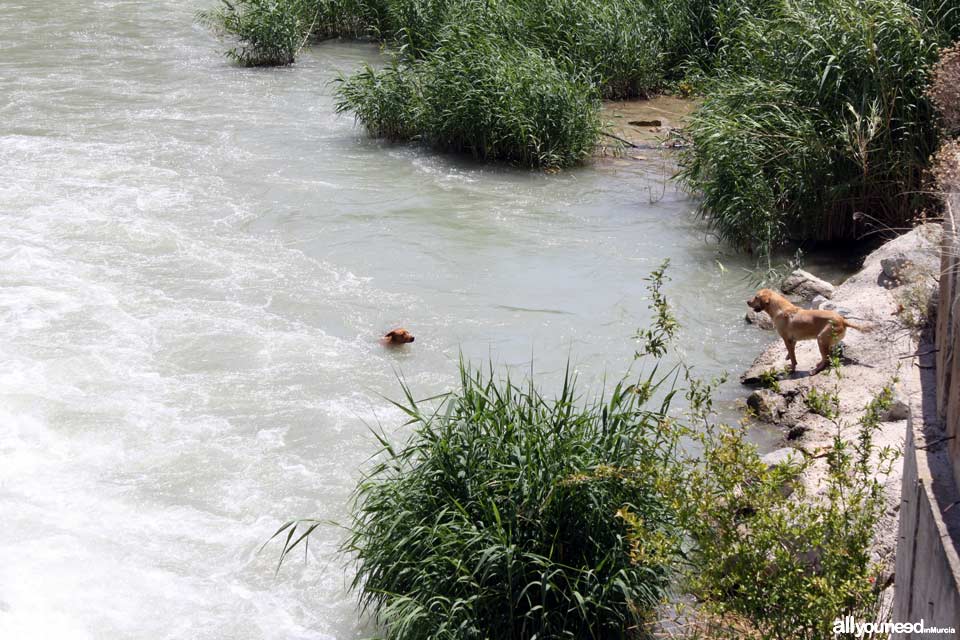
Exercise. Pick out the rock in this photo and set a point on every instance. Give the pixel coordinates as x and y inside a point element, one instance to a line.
<point>895,270</point>
<point>760,319</point>
<point>833,306</point>
<point>806,285</point>
<point>895,267</point>
<point>898,410</point>
<point>811,559</point>
<point>796,432</point>
<point>780,456</point>
<point>817,302</point>
<point>766,404</point>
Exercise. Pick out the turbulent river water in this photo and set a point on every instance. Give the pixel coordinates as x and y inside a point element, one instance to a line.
<point>195,263</point>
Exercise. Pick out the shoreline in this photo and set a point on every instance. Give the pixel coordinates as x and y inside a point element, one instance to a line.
<point>897,308</point>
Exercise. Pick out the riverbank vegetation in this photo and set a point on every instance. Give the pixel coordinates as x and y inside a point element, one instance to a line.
<point>814,123</point>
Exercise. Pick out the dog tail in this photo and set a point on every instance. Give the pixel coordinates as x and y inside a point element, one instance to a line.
<point>865,328</point>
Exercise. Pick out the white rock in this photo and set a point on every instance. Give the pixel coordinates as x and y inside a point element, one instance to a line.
<point>895,266</point>
<point>805,284</point>
<point>780,456</point>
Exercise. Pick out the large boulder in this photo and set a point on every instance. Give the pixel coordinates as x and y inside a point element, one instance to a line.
<point>806,285</point>
<point>820,302</point>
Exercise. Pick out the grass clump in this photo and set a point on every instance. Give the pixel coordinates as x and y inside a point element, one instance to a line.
<point>268,32</point>
<point>493,99</point>
<point>508,514</point>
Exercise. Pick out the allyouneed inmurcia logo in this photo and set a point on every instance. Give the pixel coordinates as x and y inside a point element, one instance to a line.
<point>848,625</point>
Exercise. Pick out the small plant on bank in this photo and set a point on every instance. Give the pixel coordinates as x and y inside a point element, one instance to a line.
<point>770,379</point>
<point>655,339</point>
<point>823,403</point>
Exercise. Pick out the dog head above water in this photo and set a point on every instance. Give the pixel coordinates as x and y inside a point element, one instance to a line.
<point>761,300</point>
<point>398,336</point>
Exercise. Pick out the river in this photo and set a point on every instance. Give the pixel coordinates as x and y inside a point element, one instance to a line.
<point>195,263</point>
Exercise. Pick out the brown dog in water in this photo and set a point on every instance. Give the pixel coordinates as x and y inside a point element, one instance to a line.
<point>794,323</point>
<point>397,337</point>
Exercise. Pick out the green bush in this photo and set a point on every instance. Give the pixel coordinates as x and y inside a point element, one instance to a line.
<point>818,113</point>
<point>494,99</point>
<point>782,561</point>
<point>508,514</point>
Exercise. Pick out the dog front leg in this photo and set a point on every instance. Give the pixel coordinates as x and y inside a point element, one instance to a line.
<point>791,354</point>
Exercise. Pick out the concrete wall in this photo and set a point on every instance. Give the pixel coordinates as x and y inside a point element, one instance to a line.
<point>948,330</point>
<point>927,581</point>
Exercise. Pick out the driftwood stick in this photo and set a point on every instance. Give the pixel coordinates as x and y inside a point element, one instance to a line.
<point>624,141</point>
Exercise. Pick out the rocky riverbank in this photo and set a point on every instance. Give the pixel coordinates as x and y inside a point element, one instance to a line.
<point>894,293</point>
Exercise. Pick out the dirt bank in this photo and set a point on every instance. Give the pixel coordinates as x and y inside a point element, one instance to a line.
<point>648,124</point>
<point>893,293</point>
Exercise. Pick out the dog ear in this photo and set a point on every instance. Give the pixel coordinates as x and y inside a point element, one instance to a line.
<point>390,334</point>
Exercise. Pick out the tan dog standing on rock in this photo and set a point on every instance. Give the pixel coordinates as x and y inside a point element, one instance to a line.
<point>794,324</point>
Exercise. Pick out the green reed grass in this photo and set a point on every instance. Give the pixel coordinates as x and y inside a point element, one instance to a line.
<point>510,514</point>
<point>493,99</point>
<point>817,114</point>
<point>268,32</point>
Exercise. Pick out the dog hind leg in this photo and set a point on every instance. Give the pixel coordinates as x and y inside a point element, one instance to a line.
<point>827,340</point>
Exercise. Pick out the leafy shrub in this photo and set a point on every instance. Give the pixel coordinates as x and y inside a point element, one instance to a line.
<point>818,113</point>
<point>494,99</point>
<point>771,554</point>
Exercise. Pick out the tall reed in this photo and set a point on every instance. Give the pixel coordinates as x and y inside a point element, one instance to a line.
<point>816,120</point>
<point>491,98</point>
